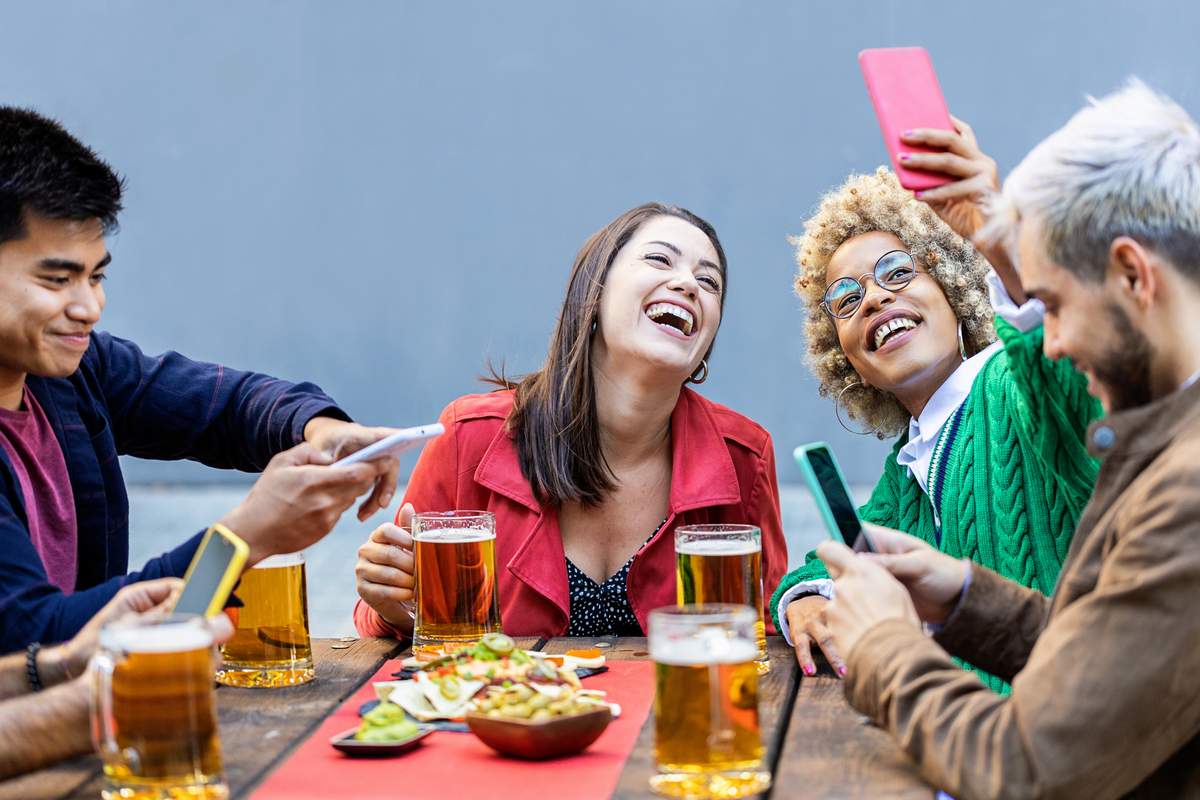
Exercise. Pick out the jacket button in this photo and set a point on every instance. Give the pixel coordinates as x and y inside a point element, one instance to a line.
<point>1104,437</point>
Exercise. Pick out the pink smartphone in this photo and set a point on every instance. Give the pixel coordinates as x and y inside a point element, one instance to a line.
<point>904,90</point>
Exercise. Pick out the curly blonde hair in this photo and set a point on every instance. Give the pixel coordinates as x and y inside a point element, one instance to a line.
<point>866,203</point>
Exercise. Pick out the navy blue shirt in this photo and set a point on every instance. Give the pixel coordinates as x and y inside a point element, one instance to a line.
<point>123,402</point>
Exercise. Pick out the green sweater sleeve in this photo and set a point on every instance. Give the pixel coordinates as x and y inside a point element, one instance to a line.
<point>881,509</point>
<point>1057,404</point>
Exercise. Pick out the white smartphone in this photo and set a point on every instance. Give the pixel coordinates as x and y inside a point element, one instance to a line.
<point>394,445</point>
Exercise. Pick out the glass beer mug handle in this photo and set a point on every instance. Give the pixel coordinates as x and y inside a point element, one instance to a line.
<point>104,734</point>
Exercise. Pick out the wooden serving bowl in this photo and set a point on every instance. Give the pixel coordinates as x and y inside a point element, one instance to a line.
<point>560,736</point>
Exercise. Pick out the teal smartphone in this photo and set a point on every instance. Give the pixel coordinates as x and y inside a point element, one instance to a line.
<point>829,489</point>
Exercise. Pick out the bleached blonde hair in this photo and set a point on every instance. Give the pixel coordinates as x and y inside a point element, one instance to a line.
<point>1125,165</point>
<point>863,204</point>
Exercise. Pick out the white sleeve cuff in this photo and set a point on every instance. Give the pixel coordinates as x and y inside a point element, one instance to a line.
<point>1023,318</point>
<point>822,586</point>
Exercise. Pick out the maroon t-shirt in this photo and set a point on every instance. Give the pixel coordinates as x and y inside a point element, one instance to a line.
<point>37,459</point>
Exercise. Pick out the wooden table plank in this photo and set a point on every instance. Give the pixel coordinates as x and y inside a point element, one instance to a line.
<point>61,780</point>
<point>261,727</point>
<point>831,751</point>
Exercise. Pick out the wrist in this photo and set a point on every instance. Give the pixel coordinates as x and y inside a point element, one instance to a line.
<point>239,523</point>
<point>58,664</point>
<point>319,426</point>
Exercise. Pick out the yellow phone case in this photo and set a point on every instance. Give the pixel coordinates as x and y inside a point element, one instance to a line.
<point>233,571</point>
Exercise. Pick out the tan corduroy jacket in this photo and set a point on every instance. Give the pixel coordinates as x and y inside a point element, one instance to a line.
<point>1105,675</point>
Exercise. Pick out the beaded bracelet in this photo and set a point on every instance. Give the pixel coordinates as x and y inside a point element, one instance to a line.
<point>31,668</point>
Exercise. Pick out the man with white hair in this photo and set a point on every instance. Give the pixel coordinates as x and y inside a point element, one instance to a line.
<point>1105,217</point>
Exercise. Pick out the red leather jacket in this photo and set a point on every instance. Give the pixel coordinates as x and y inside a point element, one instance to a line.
<point>723,470</point>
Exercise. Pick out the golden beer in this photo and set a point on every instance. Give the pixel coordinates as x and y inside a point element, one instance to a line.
<point>456,598</point>
<point>270,645</point>
<point>722,564</point>
<point>707,738</point>
<point>156,721</point>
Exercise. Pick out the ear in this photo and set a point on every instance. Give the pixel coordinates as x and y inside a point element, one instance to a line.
<point>1133,271</point>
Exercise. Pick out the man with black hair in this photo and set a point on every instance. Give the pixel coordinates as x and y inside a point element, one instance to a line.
<point>72,399</point>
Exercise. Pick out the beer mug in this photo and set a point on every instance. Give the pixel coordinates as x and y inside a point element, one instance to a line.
<point>270,645</point>
<point>706,736</point>
<point>154,717</point>
<point>456,594</point>
<point>722,564</point>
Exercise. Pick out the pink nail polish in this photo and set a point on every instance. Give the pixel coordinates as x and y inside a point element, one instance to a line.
<point>841,670</point>
<point>919,195</point>
<point>810,671</point>
<point>907,133</point>
<point>905,156</point>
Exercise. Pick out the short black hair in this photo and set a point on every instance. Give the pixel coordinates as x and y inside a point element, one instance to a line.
<point>46,170</point>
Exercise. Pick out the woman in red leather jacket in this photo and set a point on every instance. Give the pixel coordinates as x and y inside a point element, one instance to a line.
<point>591,462</point>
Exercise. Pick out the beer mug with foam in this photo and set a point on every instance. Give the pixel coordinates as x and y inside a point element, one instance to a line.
<point>457,601</point>
<point>270,645</point>
<point>154,714</point>
<point>706,734</point>
<point>722,564</point>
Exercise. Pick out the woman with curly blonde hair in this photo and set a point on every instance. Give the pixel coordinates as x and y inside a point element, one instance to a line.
<point>903,319</point>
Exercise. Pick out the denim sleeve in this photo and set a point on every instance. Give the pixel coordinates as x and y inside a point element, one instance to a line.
<point>170,407</point>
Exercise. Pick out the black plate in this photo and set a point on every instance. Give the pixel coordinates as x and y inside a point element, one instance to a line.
<point>346,743</point>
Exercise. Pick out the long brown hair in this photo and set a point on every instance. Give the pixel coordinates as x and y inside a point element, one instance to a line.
<point>554,418</point>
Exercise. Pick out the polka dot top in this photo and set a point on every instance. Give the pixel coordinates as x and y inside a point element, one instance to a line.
<point>602,609</point>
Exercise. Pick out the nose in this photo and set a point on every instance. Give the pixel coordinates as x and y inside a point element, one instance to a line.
<point>86,305</point>
<point>875,297</point>
<point>1051,343</point>
<point>684,282</point>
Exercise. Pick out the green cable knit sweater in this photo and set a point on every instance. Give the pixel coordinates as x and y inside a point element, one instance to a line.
<point>1009,478</point>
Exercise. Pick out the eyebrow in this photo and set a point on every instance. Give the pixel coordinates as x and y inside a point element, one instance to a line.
<point>73,266</point>
<point>704,262</point>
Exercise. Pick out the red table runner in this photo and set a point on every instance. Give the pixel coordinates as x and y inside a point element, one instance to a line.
<point>456,766</point>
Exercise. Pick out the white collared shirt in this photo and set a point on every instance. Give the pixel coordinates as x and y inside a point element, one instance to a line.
<point>923,431</point>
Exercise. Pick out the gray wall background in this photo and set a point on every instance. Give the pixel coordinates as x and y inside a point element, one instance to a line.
<point>379,196</point>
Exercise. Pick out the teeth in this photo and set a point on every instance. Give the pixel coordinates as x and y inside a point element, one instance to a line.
<point>884,331</point>
<point>659,310</point>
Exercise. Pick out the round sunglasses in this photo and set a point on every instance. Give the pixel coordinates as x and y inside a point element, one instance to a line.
<point>893,271</point>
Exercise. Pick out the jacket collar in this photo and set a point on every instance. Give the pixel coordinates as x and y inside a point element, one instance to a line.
<point>702,471</point>
<point>1145,430</point>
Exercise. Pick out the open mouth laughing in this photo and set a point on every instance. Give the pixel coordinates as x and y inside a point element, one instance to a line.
<point>673,318</point>
<point>891,326</point>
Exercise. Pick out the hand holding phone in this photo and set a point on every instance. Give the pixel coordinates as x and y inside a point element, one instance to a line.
<point>905,92</point>
<point>832,496</point>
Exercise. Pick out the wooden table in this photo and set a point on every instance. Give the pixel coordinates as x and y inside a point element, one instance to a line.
<point>816,745</point>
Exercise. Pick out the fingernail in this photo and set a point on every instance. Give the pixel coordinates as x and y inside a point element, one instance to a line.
<point>810,670</point>
<point>920,194</point>
<point>905,156</point>
<point>841,670</point>
<point>909,132</point>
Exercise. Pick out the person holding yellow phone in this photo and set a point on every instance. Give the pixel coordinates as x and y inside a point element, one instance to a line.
<point>73,398</point>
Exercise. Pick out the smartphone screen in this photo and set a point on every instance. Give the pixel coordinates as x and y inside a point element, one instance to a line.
<point>841,506</point>
<point>205,575</point>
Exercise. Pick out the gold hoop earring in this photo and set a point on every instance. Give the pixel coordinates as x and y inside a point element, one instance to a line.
<point>837,410</point>
<point>703,377</point>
